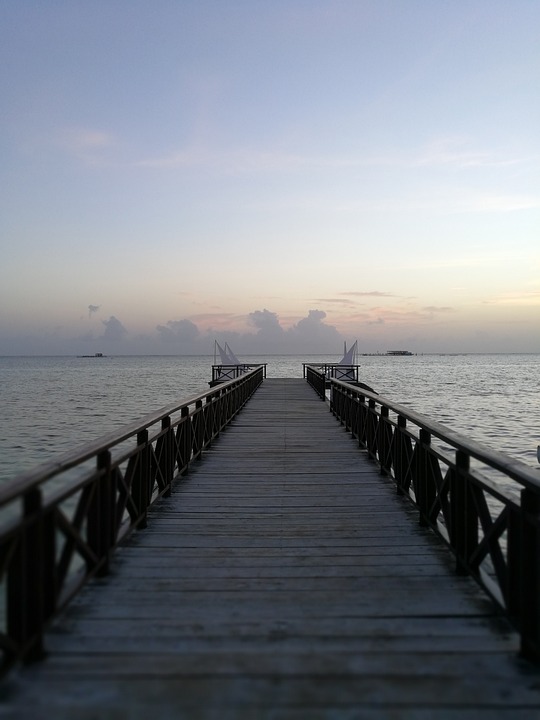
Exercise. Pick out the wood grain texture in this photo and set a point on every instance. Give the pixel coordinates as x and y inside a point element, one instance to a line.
<point>284,578</point>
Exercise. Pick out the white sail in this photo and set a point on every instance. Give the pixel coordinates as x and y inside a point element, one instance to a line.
<point>224,357</point>
<point>349,356</point>
<point>233,360</point>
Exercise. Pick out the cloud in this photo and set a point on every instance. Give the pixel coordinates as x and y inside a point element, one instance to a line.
<point>336,301</point>
<point>178,331</point>
<point>266,322</point>
<point>369,293</point>
<point>499,203</point>
<point>249,160</point>
<point>81,139</point>
<point>311,334</point>
<point>211,319</point>
<point>86,337</point>
<point>451,151</point>
<point>455,151</point>
<point>526,298</point>
<point>114,330</point>
<point>314,317</point>
<point>86,145</point>
<point>265,335</point>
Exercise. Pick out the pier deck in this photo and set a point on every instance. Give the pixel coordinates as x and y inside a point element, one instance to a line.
<point>284,578</point>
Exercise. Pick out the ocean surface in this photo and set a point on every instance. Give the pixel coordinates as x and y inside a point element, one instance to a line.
<point>53,404</point>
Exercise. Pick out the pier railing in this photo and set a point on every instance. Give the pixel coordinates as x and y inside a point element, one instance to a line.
<point>347,373</point>
<point>60,523</point>
<point>483,504</point>
<point>222,373</point>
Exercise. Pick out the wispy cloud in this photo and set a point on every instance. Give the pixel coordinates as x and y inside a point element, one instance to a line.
<point>368,293</point>
<point>516,298</point>
<point>438,309</point>
<point>489,203</point>
<point>233,161</point>
<point>394,315</point>
<point>85,138</point>
<point>444,152</point>
<point>86,144</point>
<point>218,320</point>
<point>336,301</point>
<point>450,152</point>
<point>458,152</point>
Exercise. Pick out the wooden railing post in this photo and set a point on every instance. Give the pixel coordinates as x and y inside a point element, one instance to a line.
<point>184,441</point>
<point>101,514</point>
<point>334,392</point>
<point>371,429</point>
<point>421,475</point>
<point>464,518</point>
<point>141,479</point>
<point>31,580</point>
<point>209,412</point>
<point>400,459</point>
<point>347,410</point>
<point>363,420</point>
<point>530,575</point>
<point>355,417</point>
<point>384,441</point>
<point>166,461</point>
<point>198,430</point>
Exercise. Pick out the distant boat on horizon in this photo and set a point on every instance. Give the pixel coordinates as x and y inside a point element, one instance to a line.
<point>399,352</point>
<point>95,355</point>
<point>230,367</point>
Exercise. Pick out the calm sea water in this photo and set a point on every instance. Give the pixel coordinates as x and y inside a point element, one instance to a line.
<point>52,404</point>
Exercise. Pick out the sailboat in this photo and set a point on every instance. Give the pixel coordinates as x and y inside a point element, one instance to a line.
<point>232,357</point>
<point>229,366</point>
<point>347,369</point>
<point>224,356</point>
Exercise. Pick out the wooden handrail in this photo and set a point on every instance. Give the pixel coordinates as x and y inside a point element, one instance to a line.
<point>60,522</point>
<point>483,504</point>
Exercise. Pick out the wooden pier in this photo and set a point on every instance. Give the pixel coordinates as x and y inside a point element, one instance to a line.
<point>283,578</point>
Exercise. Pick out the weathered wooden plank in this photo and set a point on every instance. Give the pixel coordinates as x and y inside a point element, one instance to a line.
<point>284,578</point>
<point>164,643</point>
<point>224,659</point>
<point>442,629</point>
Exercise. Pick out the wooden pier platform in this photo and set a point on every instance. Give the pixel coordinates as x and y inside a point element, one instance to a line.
<point>284,578</point>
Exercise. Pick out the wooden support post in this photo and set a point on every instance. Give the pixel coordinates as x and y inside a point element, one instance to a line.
<point>101,514</point>
<point>141,480</point>
<point>421,480</point>
<point>371,430</point>
<point>30,590</point>
<point>209,414</point>
<point>399,450</point>
<point>384,441</point>
<point>166,459</point>
<point>198,430</point>
<point>354,416</point>
<point>530,575</point>
<point>184,442</point>
<point>512,592</point>
<point>464,518</point>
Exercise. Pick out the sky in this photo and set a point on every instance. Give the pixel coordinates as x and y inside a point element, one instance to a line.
<point>283,175</point>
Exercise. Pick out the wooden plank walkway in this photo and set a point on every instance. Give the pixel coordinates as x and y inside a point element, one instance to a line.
<point>283,579</point>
